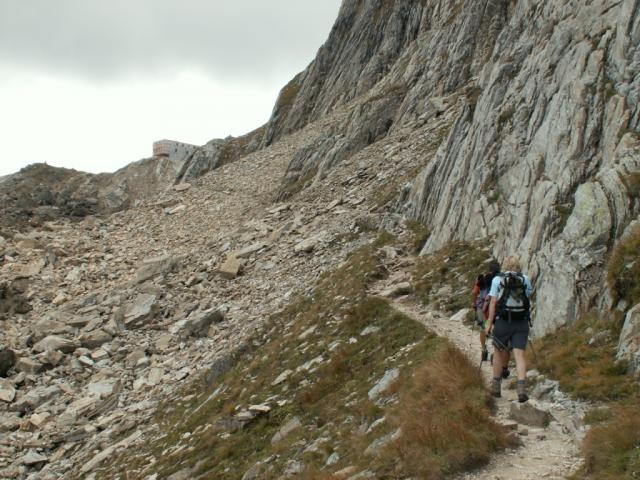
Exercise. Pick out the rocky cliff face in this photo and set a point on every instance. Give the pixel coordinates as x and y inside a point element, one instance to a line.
<point>543,152</point>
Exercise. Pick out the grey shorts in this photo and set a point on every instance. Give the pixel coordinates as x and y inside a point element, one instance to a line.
<point>507,335</point>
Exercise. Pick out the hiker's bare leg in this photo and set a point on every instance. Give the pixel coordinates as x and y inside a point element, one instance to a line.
<point>521,363</point>
<point>500,358</point>
<point>483,339</point>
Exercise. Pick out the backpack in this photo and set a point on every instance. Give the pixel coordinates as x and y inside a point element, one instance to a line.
<point>513,303</point>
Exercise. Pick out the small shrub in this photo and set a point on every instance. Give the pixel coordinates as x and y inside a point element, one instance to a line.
<point>420,234</point>
<point>461,435</point>
<point>632,182</point>
<point>457,265</point>
<point>582,358</point>
<point>623,276</point>
<point>564,212</point>
<point>506,115</point>
<point>612,448</point>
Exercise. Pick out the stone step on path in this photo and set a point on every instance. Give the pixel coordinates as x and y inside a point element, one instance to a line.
<point>546,452</point>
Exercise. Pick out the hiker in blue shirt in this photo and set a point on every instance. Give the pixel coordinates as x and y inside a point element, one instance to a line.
<point>509,312</point>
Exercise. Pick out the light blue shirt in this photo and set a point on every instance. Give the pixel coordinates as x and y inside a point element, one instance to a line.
<point>496,286</point>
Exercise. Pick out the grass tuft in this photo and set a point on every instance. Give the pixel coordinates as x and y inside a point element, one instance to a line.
<point>446,277</point>
<point>612,448</point>
<point>461,435</point>
<point>623,276</point>
<point>582,358</point>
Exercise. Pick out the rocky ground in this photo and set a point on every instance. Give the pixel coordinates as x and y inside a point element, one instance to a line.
<point>549,426</point>
<point>107,316</point>
<point>111,315</point>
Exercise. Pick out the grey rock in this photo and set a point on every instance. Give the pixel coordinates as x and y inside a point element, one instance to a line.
<point>402,288</point>
<point>156,266</point>
<point>95,339</point>
<point>198,323</point>
<point>293,467</point>
<point>231,267</point>
<point>35,397</point>
<point>28,366</point>
<point>251,249</point>
<point>140,311</point>
<point>385,382</point>
<point>374,448</point>
<point>33,458</point>
<point>629,343</point>
<point>7,391</point>
<point>529,414</point>
<point>253,473</point>
<point>288,428</point>
<point>55,342</point>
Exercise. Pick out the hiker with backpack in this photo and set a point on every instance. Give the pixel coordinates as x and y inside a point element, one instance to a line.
<point>480,302</point>
<point>509,316</point>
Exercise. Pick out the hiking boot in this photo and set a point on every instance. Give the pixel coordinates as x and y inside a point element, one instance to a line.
<point>505,372</point>
<point>522,394</point>
<point>496,385</point>
<point>485,354</point>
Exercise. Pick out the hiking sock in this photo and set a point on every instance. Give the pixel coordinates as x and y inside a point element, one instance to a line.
<point>522,393</point>
<point>496,385</point>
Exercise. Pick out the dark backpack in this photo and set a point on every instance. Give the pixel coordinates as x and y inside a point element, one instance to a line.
<point>514,303</point>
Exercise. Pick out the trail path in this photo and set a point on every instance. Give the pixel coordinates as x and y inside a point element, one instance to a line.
<point>549,453</point>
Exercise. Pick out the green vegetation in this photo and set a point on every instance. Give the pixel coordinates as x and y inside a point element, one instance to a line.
<point>337,343</point>
<point>506,115</point>
<point>632,182</point>
<point>624,269</point>
<point>564,212</point>
<point>458,265</point>
<point>460,436</point>
<point>612,448</point>
<point>582,358</point>
<point>419,235</point>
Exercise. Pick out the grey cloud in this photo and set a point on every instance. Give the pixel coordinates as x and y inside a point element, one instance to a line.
<point>104,39</point>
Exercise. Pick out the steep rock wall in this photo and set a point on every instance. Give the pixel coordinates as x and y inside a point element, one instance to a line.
<point>541,155</point>
<point>540,163</point>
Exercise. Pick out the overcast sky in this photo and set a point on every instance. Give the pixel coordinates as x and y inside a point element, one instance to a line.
<point>90,84</point>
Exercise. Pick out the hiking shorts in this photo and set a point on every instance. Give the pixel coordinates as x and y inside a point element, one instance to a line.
<point>510,334</point>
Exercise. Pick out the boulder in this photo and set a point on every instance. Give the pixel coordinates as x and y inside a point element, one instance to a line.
<point>385,382</point>
<point>35,397</point>
<point>33,458</point>
<point>156,266</point>
<point>629,343</point>
<point>461,315</point>
<point>286,429</point>
<point>7,391</point>
<point>306,246</point>
<point>402,288</point>
<point>198,323</point>
<point>48,326</point>
<point>140,311</point>
<point>95,339</point>
<point>181,187</point>
<point>55,342</point>
<point>231,267</point>
<point>52,357</point>
<point>529,414</point>
<point>28,366</point>
<point>7,361</point>
<point>164,341</point>
<point>245,252</point>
